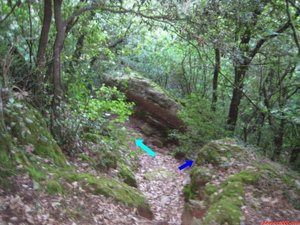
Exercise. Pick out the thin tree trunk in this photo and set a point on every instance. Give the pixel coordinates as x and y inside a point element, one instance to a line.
<point>41,53</point>
<point>215,79</point>
<point>237,94</point>
<point>41,59</point>
<point>2,123</point>
<point>57,84</point>
<point>278,141</point>
<point>30,42</point>
<point>59,40</point>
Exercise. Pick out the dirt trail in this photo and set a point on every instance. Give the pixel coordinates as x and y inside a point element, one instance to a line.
<point>160,180</point>
<point>162,183</point>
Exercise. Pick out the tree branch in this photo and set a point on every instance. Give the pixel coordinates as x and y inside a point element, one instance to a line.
<point>11,11</point>
<point>293,27</point>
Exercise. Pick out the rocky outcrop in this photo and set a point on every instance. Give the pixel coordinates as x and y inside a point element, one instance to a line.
<point>229,180</point>
<point>154,103</point>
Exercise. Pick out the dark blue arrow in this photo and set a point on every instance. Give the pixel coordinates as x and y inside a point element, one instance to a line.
<point>186,164</point>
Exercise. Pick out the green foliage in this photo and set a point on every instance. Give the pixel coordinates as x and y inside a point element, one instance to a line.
<point>188,192</point>
<point>203,124</point>
<point>108,102</point>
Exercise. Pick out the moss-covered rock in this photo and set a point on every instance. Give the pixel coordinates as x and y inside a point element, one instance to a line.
<point>112,188</point>
<point>225,206</point>
<point>210,189</point>
<point>27,126</point>
<point>199,177</point>
<point>188,193</point>
<point>217,152</point>
<point>245,176</point>
<point>158,104</point>
<point>126,174</point>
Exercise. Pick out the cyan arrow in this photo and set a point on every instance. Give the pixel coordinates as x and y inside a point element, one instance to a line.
<point>186,164</point>
<point>139,143</point>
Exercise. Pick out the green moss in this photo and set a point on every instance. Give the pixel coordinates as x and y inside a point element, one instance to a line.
<point>107,159</point>
<point>269,170</point>
<point>223,211</point>
<point>245,176</point>
<point>109,187</point>
<point>7,167</point>
<point>199,177</point>
<point>91,137</point>
<point>28,127</point>
<point>126,174</point>
<point>210,189</point>
<point>225,207</point>
<point>188,193</point>
<point>85,157</point>
<point>209,154</point>
<point>217,151</point>
<point>5,164</point>
<point>54,187</point>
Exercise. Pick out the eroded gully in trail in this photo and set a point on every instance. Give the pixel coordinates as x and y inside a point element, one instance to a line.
<point>160,180</point>
<point>162,184</point>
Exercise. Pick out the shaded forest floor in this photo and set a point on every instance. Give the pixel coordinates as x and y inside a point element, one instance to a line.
<point>159,180</point>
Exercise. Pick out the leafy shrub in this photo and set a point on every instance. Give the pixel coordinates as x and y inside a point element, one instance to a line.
<point>203,124</point>
<point>108,102</point>
<point>93,112</point>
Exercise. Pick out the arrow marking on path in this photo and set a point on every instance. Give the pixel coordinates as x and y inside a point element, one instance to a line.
<point>139,143</point>
<point>186,164</point>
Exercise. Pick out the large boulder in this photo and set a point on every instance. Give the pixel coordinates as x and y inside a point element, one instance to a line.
<point>157,106</point>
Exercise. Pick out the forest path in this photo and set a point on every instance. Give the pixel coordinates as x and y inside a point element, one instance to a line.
<point>162,183</point>
<point>159,179</point>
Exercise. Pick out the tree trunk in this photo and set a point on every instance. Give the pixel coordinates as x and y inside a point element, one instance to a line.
<point>237,94</point>
<point>2,123</point>
<point>41,58</point>
<point>215,79</point>
<point>57,84</point>
<point>278,141</point>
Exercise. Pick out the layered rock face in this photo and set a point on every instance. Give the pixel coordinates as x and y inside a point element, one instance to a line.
<point>153,104</point>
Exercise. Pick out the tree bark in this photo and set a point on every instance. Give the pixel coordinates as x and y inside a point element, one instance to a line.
<point>240,72</point>
<point>44,36</point>
<point>41,53</point>
<point>278,141</point>
<point>57,84</point>
<point>215,79</point>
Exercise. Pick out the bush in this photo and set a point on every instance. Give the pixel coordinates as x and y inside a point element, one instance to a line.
<point>203,124</point>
